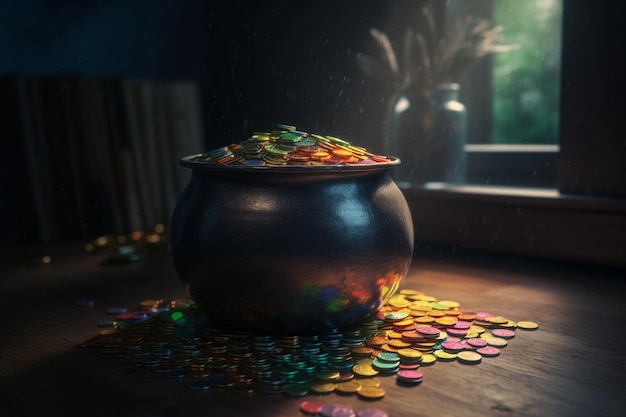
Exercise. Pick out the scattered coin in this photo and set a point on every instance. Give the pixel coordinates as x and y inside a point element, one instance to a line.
<point>415,330</point>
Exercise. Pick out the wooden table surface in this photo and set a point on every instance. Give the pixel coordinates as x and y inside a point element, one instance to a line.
<point>573,365</point>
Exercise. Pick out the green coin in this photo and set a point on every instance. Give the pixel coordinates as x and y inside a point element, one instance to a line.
<point>381,366</point>
<point>275,150</point>
<point>290,137</point>
<point>324,375</point>
<point>285,126</point>
<point>306,142</point>
<point>389,357</point>
<point>296,390</point>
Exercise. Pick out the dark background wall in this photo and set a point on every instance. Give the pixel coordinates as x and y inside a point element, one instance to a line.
<point>258,63</point>
<point>140,38</point>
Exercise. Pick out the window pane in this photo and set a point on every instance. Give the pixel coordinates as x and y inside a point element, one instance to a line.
<point>526,81</point>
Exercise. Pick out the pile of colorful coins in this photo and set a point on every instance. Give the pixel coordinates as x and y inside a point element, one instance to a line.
<point>410,331</point>
<point>285,145</point>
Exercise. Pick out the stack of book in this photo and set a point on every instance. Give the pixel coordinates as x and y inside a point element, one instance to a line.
<point>81,157</point>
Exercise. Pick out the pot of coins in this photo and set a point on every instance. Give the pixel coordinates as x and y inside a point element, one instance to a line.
<point>290,249</point>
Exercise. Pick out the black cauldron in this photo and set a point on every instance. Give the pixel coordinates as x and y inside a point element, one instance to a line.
<point>292,249</point>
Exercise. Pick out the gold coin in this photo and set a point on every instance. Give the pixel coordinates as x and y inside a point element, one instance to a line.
<point>109,331</point>
<point>348,387</point>
<point>424,319</point>
<point>397,343</point>
<point>420,305</point>
<point>428,359</point>
<point>418,313</point>
<point>371,393</point>
<point>408,353</point>
<point>496,320</point>
<point>424,345</point>
<point>410,292</point>
<point>496,341</point>
<point>527,325</point>
<point>376,341</point>
<point>446,321</point>
<point>444,356</point>
<point>394,335</point>
<point>387,347</point>
<point>449,303</point>
<point>398,302</point>
<point>403,323</point>
<point>369,382</point>
<point>477,329</point>
<point>470,357</point>
<point>149,304</point>
<point>326,375</point>
<point>362,369</point>
<point>342,153</point>
<point>321,387</point>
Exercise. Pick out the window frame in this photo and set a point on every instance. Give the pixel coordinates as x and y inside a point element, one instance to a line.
<point>583,217</point>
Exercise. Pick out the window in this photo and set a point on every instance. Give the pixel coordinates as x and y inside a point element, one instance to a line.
<point>583,218</point>
<point>526,81</point>
<point>513,97</point>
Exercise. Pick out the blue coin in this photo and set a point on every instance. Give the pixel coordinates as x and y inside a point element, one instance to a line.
<point>200,384</point>
<point>85,302</point>
<point>116,310</point>
<point>254,162</point>
<point>220,381</point>
<point>174,374</point>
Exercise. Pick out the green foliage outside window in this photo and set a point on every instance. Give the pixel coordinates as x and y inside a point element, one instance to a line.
<point>526,81</point>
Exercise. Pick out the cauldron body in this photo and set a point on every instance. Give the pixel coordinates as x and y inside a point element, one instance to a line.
<point>290,249</point>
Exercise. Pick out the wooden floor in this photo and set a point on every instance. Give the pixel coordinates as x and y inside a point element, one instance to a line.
<point>573,365</point>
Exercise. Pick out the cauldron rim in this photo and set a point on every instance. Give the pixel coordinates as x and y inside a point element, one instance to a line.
<point>189,162</point>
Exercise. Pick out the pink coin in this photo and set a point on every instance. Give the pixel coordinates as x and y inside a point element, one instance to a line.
<point>330,410</point>
<point>483,315</point>
<point>453,338</point>
<point>456,332</point>
<point>124,316</point>
<point>503,333</point>
<point>462,324</point>
<point>311,406</point>
<point>476,342</point>
<point>411,334</point>
<point>372,412</point>
<point>488,351</point>
<point>453,346</point>
<point>409,374</point>
<point>427,330</point>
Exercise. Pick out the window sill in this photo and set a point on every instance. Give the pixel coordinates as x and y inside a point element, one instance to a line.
<point>521,221</point>
<point>512,165</point>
